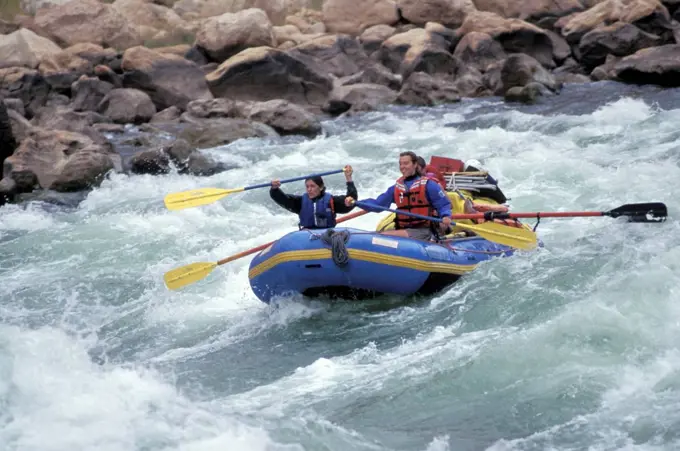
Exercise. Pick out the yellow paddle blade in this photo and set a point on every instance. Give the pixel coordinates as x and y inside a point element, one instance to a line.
<point>197,197</point>
<point>519,238</point>
<point>186,275</point>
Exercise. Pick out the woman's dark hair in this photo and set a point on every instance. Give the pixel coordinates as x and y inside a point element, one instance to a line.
<point>414,157</point>
<point>319,182</point>
<point>421,162</point>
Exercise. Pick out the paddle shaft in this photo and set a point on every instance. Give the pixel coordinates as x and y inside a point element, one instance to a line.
<point>500,215</point>
<point>294,179</point>
<point>361,204</point>
<point>264,246</point>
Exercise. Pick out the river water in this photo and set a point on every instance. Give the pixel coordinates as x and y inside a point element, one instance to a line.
<point>572,347</point>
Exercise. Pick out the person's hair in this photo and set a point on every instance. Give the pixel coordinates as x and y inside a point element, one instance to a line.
<point>318,181</point>
<point>421,162</point>
<point>412,155</point>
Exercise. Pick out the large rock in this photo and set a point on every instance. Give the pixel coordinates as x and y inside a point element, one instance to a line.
<point>25,84</point>
<point>59,160</point>
<point>619,39</point>
<point>7,141</point>
<point>480,50</point>
<point>284,117</point>
<point>515,35</point>
<point>339,55</point>
<point>649,14</point>
<point>88,92</point>
<point>519,70</point>
<point>64,118</point>
<point>276,10</point>
<point>207,133</point>
<point>224,36</point>
<point>531,10</point>
<point>150,19</point>
<point>359,97</point>
<point>25,48</point>
<point>373,36</point>
<point>450,13</point>
<point>168,79</point>
<point>656,65</point>
<point>354,16</point>
<point>418,50</point>
<point>424,90</point>
<point>127,106</point>
<point>264,73</point>
<point>81,21</point>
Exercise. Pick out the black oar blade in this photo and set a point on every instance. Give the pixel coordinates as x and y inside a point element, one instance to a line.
<point>649,212</point>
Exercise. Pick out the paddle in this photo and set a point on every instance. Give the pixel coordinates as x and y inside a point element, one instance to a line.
<point>519,238</point>
<point>647,212</point>
<point>188,274</point>
<point>204,196</point>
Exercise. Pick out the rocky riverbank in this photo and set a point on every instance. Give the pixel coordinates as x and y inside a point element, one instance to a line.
<point>201,73</point>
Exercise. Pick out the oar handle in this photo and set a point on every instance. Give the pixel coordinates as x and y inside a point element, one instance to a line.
<point>294,179</point>
<point>405,213</point>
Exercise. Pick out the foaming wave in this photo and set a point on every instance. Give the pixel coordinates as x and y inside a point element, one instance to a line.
<point>111,408</point>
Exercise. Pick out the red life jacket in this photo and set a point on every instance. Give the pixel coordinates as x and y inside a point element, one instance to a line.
<point>413,200</point>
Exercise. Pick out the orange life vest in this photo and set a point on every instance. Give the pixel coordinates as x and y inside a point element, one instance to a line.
<point>413,200</point>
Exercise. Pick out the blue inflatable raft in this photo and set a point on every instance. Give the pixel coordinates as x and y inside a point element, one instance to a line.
<point>350,263</point>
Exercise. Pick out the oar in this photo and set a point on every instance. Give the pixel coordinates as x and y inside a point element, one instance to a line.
<point>204,196</point>
<point>519,238</point>
<point>647,212</point>
<point>181,277</point>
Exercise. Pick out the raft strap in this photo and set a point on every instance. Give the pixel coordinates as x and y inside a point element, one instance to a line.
<point>337,242</point>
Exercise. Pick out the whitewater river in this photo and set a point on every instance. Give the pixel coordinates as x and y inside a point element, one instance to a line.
<point>573,347</point>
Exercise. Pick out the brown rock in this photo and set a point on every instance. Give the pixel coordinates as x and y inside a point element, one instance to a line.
<point>25,48</point>
<point>354,16</point>
<point>479,50</point>
<point>655,65</point>
<point>87,21</point>
<point>207,133</point>
<point>520,70</point>
<point>127,105</point>
<point>59,160</point>
<point>168,79</point>
<point>339,55</point>
<point>359,98</point>
<point>88,92</point>
<point>610,11</point>
<point>450,13</point>
<point>619,39</point>
<point>284,117</point>
<point>424,90</point>
<point>265,73</point>
<point>224,36</point>
<point>24,84</point>
<point>531,9</point>
<point>515,35</point>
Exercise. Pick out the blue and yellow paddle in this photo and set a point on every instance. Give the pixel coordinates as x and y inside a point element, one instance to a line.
<point>204,196</point>
<point>519,238</point>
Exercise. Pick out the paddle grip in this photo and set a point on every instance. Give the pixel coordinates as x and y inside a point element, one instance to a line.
<point>294,179</point>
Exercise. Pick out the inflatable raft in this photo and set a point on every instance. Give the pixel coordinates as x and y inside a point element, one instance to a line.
<point>350,263</point>
<point>357,264</point>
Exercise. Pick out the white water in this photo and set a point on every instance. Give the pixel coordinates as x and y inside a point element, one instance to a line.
<point>571,347</point>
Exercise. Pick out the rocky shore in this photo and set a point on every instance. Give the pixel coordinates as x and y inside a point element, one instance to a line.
<point>208,72</point>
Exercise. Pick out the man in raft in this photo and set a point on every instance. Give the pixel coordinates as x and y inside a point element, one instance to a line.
<point>316,208</point>
<point>414,193</point>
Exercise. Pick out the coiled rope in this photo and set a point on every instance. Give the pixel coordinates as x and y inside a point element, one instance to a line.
<point>337,241</point>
